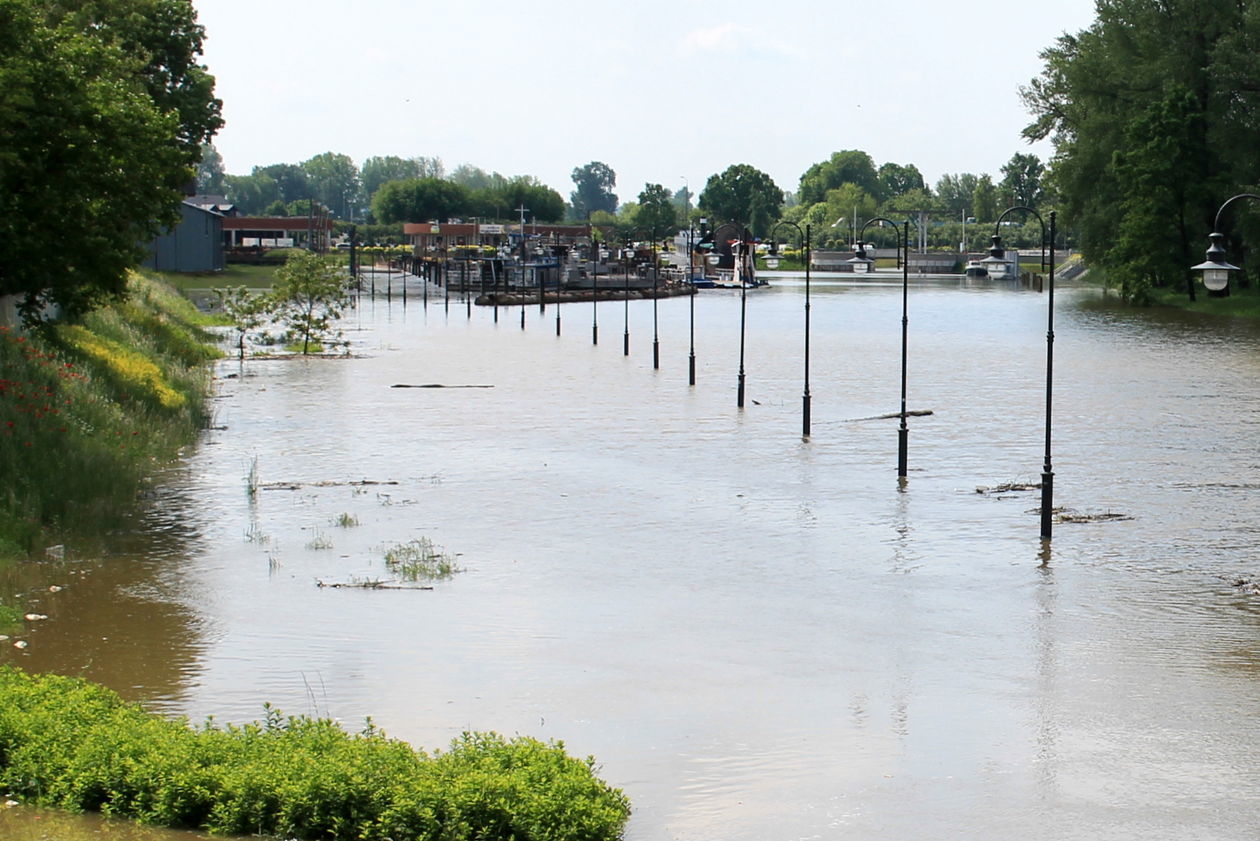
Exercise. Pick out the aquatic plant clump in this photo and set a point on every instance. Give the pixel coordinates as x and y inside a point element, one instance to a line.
<point>420,560</point>
<point>71,744</point>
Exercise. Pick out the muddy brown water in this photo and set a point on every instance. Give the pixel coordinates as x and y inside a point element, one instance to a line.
<point>757,637</point>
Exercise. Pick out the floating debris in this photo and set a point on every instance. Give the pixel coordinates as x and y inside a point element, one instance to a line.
<point>369,584</point>
<point>20,644</point>
<point>917,413</point>
<point>55,553</point>
<point>294,486</point>
<point>1008,487</point>
<point>35,617</point>
<point>1244,584</point>
<point>437,385</point>
<point>1070,516</point>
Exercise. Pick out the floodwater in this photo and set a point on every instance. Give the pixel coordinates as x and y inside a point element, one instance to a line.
<point>758,637</point>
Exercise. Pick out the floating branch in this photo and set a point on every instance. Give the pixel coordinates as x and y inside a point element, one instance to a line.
<point>369,584</point>
<point>293,486</point>
<point>918,413</point>
<point>1008,487</point>
<point>1070,516</point>
<point>437,385</point>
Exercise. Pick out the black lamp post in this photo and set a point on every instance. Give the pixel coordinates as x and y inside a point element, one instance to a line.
<point>1047,473</point>
<point>903,432</point>
<point>595,255</point>
<point>691,287</point>
<point>1216,268</point>
<point>465,275</point>
<point>739,255</point>
<point>772,262</point>
<point>559,278</point>
<point>656,335</point>
<point>446,278</point>
<point>628,255</point>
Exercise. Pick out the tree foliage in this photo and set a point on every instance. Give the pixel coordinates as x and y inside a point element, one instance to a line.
<point>309,296</point>
<point>103,112</point>
<point>541,202</point>
<point>846,167</point>
<point>594,183</point>
<point>378,171</point>
<point>955,193</point>
<point>896,180</point>
<point>1021,180</point>
<point>334,181</point>
<point>984,200</point>
<point>657,211</point>
<point>420,200</point>
<point>210,174</point>
<point>745,194</point>
<point>1187,67</point>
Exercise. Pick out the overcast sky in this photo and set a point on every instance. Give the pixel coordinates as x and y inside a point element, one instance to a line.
<point>663,91</point>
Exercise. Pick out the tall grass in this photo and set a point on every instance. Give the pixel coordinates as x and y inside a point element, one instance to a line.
<point>74,745</point>
<point>87,409</point>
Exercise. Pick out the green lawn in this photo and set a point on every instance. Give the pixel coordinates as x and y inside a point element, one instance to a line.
<point>236,274</point>
<point>1241,303</point>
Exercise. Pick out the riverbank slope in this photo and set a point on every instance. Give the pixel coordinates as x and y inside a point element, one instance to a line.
<point>88,409</point>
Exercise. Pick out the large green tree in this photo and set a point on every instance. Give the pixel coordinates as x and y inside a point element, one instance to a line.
<point>210,173</point>
<point>657,211</point>
<point>898,179</point>
<point>984,199</point>
<point>849,166</point>
<point>744,194</point>
<point>420,200</point>
<point>540,201</point>
<point>1021,179</point>
<point>1187,66</point>
<point>252,194</point>
<point>377,171</point>
<point>955,191</point>
<point>594,183</point>
<point>292,180</point>
<point>103,113</point>
<point>334,180</point>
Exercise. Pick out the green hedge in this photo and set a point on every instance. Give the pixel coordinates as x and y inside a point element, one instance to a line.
<point>71,744</point>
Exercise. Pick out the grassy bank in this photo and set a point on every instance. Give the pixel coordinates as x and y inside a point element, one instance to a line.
<point>88,410</point>
<point>74,745</point>
<point>1240,303</point>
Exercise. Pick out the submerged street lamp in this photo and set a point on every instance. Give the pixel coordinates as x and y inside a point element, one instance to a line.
<point>903,432</point>
<point>739,251</point>
<point>1047,472</point>
<point>995,264</point>
<point>1216,269</point>
<point>772,262</point>
<point>628,254</point>
<point>691,288</point>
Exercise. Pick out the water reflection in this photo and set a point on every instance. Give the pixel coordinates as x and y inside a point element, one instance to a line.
<point>758,637</point>
<point>117,609</point>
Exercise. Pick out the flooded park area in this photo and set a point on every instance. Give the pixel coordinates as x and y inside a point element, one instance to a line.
<point>758,637</point>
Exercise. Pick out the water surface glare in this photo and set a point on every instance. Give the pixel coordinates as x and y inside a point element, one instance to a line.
<point>757,637</point>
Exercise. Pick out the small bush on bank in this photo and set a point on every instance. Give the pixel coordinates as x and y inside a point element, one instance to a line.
<point>67,743</point>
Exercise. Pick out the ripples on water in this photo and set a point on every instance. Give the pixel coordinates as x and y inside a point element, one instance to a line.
<point>758,637</point>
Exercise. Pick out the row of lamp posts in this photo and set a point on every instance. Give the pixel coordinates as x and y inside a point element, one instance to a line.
<point>738,246</point>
